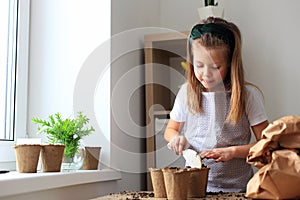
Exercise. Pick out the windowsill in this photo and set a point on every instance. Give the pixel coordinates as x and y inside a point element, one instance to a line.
<point>18,183</point>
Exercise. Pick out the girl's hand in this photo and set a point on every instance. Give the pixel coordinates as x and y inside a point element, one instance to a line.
<point>219,154</point>
<point>178,144</point>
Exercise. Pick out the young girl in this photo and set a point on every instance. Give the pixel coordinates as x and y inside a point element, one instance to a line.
<point>216,109</point>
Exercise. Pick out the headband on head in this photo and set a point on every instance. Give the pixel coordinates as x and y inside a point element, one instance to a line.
<point>217,30</point>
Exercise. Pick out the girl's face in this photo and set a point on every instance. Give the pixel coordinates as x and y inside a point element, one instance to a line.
<point>210,67</point>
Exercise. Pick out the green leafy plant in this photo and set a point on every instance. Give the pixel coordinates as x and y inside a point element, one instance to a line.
<point>67,131</point>
<point>210,3</point>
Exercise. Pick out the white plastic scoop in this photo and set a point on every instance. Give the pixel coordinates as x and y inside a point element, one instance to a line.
<point>192,158</point>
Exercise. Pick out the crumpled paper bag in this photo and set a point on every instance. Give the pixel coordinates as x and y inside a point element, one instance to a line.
<point>277,156</point>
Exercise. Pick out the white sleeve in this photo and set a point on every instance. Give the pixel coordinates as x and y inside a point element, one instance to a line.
<point>255,108</point>
<point>179,109</point>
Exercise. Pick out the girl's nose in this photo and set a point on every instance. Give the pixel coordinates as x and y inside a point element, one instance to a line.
<point>206,71</point>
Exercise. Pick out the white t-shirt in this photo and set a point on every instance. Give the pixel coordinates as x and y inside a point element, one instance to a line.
<point>209,130</point>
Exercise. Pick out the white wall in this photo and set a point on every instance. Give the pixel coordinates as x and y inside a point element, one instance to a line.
<point>130,21</point>
<point>271,50</point>
<point>65,36</point>
<point>179,15</point>
<point>69,72</point>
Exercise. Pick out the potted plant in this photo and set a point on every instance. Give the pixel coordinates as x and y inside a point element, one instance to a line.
<point>210,9</point>
<point>68,132</point>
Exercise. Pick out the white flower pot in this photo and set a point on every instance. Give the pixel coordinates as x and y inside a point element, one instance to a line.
<point>211,11</point>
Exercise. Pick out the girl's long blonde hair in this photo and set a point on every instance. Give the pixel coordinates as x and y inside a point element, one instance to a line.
<point>234,80</point>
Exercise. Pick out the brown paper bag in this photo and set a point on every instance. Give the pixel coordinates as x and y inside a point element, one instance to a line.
<point>282,133</point>
<point>277,156</point>
<point>278,180</point>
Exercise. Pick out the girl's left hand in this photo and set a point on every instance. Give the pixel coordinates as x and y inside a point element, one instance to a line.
<point>219,154</point>
<point>178,144</point>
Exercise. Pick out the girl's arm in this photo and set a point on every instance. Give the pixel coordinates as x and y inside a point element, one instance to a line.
<point>173,129</point>
<point>177,142</point>
<point>257,129</point>
<point>228,153</point>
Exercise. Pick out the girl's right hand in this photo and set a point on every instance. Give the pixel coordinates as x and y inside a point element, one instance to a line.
<point>178,144</point>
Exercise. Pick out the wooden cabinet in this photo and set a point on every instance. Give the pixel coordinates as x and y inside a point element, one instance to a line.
<point>163,75</point>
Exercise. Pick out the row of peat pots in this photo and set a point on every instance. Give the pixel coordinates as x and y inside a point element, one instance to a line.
<point>52,156</point>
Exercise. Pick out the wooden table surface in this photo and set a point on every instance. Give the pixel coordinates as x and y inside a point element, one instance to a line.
<point>150,196</point>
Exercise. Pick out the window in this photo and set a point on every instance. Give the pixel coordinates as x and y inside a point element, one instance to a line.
<point>8,22</point>
<point>14,23</point>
